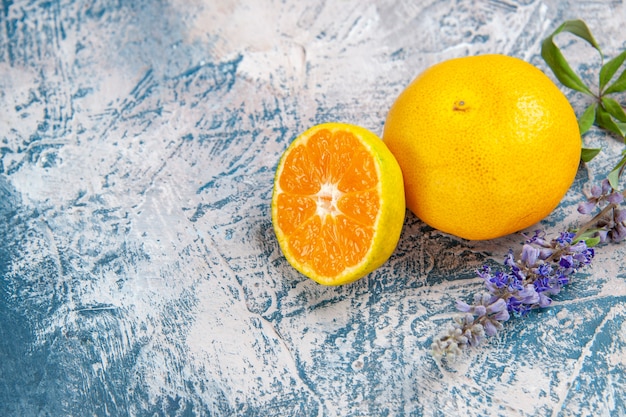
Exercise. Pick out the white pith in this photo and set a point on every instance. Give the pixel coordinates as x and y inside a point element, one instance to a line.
<point>326,199</point>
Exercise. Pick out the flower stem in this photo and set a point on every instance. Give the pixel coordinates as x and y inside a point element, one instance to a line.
<point>594,220</point>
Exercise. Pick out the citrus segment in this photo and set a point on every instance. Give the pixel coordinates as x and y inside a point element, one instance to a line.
<point>488,145</point>
<point>293,211</point>
<point>361,206</point>
<point>338,203</point>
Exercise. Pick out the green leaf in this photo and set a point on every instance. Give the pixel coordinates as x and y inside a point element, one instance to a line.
<point>614,175</point>
<point>614,109</point>
<point>618,86</point>
<point>579,28</point>
<point>613,178</point>
<point>589,237</point>
<point>587,154</point>
<point>557,62</point>
<point>592,241</point>
<point>609,69</point>
<point>605,121</point>
<point>585,121</point>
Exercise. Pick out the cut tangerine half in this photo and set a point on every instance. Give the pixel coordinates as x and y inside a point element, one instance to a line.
<point>338,203</point>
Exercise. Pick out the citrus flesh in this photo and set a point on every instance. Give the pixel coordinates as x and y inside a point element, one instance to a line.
<point>338,203</point>
<point>488,145</point>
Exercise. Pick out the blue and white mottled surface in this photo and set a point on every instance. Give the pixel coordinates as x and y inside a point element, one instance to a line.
<point>139,273</point>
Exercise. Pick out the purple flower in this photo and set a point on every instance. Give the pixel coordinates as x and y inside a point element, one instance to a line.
<point>565,238</point>
<point>508,281</point>
<point>484,272</point>
<point>544,270</point>
<point>612,226</point>
<point>500,279</point>
<point>542,284</point>
<point>544,300</point>
<point>517,307</point>
<point>599,195</point>
<point>484,305</point>
<point>586,207</point>
<point>509,261</point>
<point>579,247</point>
<point>530,255</point>
<point>538,239</point>
<point>528,295</point>
<point>561,280</point>
<point>490,328</point>
<point>463,306</point>
<point>617,233</point>
<point>615,198</point>
<point>524,283</point>
<point>566,261</point>
<point>498,306</point>
<point>580,254</point>
<point>484,317</point>
<point>504,314</point>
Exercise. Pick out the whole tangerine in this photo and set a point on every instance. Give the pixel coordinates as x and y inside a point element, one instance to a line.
<point>488,145</point>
